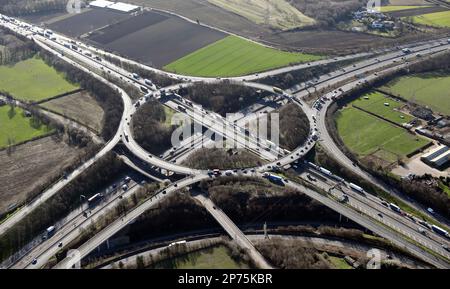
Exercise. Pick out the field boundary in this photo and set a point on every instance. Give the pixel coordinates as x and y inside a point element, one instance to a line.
<point>382,118</point>
<point>29,140</point>
<point>71,119</point>
<point>57,96</point>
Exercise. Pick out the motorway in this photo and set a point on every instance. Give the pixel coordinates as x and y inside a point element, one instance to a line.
<point>232,230</point>
<point>124,131</point>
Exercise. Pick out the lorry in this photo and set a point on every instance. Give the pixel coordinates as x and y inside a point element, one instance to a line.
<point>395,208</point>
<point>275,179</point>
<point>92,201</point>
<point>439,231</point>
<point>357,188</point>
<point>50,231</point>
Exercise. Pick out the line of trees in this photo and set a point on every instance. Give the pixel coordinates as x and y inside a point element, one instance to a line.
<point>25,7</point>
<point>14,49</point>
<point>328,12</point>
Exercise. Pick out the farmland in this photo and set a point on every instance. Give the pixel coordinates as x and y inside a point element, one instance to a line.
<point>155,38</point>
<point>83,23</point>
<point>282,15</point>
<point>16,128</point>
<point>375,103</point>
<point>365,134</point>
<point>33,80</point>
<point>437,19</point>
<point>80,107</point>
<point>29,166</point>
<point>233,56</point>
<point>425,89</point>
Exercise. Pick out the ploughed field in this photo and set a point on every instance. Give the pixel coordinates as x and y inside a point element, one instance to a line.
<point>154,38</point>
<point>29,166</point>
<point>80,107</point>
<point>85,22</point>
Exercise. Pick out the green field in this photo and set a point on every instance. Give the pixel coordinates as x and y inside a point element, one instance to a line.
<point>234,56</point>
<point>365,134</point>
<point>33,80</point>
<point>427,89</point>
<point>16,127</point>
<point>375,104</point>
<point>437,19</point>
<point>392,8</point>
<point>339,263</point>
<point>213,258</point>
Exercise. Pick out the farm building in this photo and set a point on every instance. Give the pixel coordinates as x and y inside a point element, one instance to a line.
<point>117,6</point>
<point>124,7</point>
<point>100,3</point>
<point>438,157</point>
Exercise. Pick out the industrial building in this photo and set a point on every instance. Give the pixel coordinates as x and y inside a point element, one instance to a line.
<point>438,157</point>
<point>117,6</point>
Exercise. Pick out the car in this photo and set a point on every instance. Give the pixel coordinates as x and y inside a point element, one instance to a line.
<point>60,244</point>
<point>34,262</point>
<point>380,215</point>
<point>445,247</point>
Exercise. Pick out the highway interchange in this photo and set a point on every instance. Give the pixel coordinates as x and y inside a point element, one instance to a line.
<point>363,210</point>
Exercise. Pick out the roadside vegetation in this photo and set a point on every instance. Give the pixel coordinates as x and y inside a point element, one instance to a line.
<point>234,56</point>
<point>14,48</point>
<point>152,129</point>
<point>224,97</point>
<point>216,158</point>
<point>88,183</point>
<point>294,126</point>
